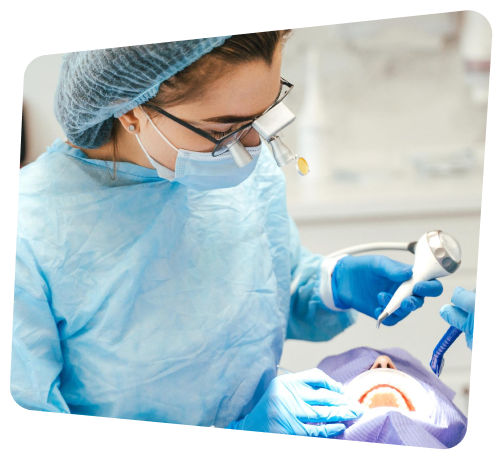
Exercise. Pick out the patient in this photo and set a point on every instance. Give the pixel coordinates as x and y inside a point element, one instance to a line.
<point>405,403</point>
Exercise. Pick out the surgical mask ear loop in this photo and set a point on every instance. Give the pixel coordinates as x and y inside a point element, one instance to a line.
<point>153,162</point>
<point>178,150</point>
<point>157,129</point>
<point>162,170</point>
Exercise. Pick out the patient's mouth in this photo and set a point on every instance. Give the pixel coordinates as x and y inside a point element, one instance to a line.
<point>384,395</point>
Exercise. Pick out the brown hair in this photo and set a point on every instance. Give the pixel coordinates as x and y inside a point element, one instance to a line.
<point>186,85</point>
<point>238,49</point>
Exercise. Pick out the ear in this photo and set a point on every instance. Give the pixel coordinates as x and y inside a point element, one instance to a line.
<point>130,122</point>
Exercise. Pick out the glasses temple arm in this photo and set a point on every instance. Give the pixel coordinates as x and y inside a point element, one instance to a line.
<point>183,123</point>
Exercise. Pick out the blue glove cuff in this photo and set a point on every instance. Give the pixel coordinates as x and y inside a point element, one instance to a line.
<point>337,301</point>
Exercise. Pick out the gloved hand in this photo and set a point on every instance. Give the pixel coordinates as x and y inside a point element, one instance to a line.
<point>293,400</point>
<point>461,314</point>
<point>367,284</point>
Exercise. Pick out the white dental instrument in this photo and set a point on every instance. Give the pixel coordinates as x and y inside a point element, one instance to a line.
<point>385,246</point>
<point>286,371</point>
<point>437,254</point>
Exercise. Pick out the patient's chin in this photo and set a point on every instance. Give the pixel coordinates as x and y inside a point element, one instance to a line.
<point>386,396</point>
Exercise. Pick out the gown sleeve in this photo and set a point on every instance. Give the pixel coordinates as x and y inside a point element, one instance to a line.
<point>36,350</point>
<point>313,315</point>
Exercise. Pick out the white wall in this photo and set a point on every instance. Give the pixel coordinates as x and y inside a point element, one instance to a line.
<point>403,155</point>
<point>40,80</point>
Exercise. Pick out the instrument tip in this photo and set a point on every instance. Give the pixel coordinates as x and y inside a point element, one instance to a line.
<point>381,318</point>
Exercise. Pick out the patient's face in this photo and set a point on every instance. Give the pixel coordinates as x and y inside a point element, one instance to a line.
<point>384,389</point>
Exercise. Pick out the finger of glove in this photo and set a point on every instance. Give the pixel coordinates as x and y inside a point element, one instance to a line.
<point>408,304</point>
<point>316,378</point>
<point>384,297</point>
<point>332,413</point>
<point>394,318</point>
<point>324,397</point>
<point>324,431</point>
<point>454,316</point>
<point>391,269</point>
<point>432,288</point>
<point>411,303</point>
<point>463,299</point>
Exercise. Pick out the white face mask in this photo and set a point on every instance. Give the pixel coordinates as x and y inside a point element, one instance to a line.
<point>202,171</point>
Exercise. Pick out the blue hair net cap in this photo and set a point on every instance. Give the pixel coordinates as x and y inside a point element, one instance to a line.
<point>96,86</point>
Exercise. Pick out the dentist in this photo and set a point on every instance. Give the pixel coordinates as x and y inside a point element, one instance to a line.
<point>153,273</point>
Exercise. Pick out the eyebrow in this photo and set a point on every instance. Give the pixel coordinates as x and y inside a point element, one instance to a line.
<point>236,119</point>
<point>233,118</point>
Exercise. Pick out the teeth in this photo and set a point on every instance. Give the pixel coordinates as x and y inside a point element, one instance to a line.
<point>400,402</point>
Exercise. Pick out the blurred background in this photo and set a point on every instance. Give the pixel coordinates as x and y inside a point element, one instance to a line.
<point>391,116</point>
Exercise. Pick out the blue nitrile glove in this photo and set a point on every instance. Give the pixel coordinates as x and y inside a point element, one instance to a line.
<point>367,284</point>
<point>294,400</point>
<point>461,314</point>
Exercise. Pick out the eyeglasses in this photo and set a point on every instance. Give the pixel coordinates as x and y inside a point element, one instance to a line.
<point>238,134</point>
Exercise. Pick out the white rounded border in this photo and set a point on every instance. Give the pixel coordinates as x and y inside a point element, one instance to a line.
<point>33,29</point>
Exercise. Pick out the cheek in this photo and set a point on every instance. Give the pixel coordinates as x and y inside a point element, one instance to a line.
<point>252,139</point>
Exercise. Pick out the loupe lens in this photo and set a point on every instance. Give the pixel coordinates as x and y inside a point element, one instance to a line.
<point>451,246</point>
<point>237,136</point>
<point>223,145</point>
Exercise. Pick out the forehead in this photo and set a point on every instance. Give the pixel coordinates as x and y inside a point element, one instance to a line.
<point>246,89</point>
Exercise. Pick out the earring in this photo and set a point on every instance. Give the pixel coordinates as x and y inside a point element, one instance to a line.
<point>131,127</point>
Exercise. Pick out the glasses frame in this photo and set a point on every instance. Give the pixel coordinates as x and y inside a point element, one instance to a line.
<point>208,136</point>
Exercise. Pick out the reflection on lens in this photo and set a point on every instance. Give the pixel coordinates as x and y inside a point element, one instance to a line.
<point>302,167</point>
<point>284,92</point>
<point>452,247</point>
<point>221,147</point>
<point>235,136</point>
<point>244,132</point>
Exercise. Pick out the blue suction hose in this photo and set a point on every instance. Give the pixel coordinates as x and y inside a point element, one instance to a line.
<point>437,360</point>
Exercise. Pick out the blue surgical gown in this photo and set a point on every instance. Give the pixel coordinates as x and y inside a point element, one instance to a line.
<point>139,298</point>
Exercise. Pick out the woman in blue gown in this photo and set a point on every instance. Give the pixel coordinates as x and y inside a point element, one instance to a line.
<point>153,279</point>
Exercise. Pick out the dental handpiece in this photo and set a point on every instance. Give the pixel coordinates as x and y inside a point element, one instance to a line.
<point>437,254</point>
